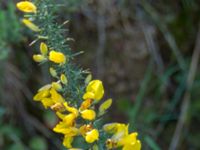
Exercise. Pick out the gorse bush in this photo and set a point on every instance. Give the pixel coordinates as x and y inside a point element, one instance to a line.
<point>73,95</point>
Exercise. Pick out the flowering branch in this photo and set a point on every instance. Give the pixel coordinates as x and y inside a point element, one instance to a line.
<point>71,95</point>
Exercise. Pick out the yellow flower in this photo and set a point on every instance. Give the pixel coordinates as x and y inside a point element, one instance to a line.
<point>121,137</point>
<point>94,90</point>
<point>58,107</point>
<point>44,96</point>
<point>48,96</point>
<point>38,58</point>
<point>27,6</point>
<point>72,110</point>
<point>85,104</point>
<point>68,141</point>
<point>56,97</point>
<point>92,136</point>
<point>47,102</point>
<point>70,119</point>
<point>57,57</point>
<point>136,146</point>
<point>63,79</point>
<point>43,48</point>
<point>31,25</point>
<point>88,114</point>
<point>116,128</point>
<point>104,106</point>
<point>84,129</point>
<point>69,131</point>
<point>128,140</point>
<point>41,94</point>
<point>53,72</point>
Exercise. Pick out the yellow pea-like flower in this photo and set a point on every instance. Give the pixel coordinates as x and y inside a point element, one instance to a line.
<point>88,95</point>
<point>116,128</point>
<point>94,90</point>
<point>73,110</point>
<point>136,146</point>
<point>69,119</point>
<point>88,114</point>
<point>41,94</point>
<point>84,129</point>
<point>63,79</point>
<point>53,72</point>
<point>27,7</point>
<point>85,104</point>
<point>43,48</point>
<point>47,102</point>
<point>68,141</point>
<point>129,139</point>
<point>58,107</point>
<point>129,142</point>
<point>38,58</point>
<point>56,97</point>
<point>57,57</point>
<point>31,25</point>
<point>62,128</point>
<point>92,136</point>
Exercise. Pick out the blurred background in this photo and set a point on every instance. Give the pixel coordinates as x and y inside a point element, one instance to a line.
<point>146,52</point>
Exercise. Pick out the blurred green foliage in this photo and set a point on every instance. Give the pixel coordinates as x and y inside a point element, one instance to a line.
<point>10,26</point>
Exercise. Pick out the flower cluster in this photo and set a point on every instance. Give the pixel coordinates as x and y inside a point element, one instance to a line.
<point>121,137</point>
<point>78,117</point>
<point>54,56</point>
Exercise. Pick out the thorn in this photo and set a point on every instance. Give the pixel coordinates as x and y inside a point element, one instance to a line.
<point>33,42</point>
<point>65,22</point>
<point>70,39</point>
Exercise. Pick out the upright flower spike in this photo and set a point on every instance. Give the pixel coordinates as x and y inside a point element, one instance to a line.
<point>31,25</point>
<point>57,57</point>
<point>27,7</point>
<point>77,119</point>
